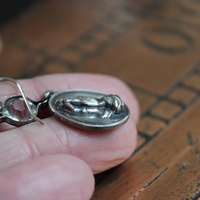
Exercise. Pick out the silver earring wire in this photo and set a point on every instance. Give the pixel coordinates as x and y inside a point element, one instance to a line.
<point>24,97</point>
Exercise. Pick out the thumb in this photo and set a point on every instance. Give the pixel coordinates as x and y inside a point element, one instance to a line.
<point>49,177</point>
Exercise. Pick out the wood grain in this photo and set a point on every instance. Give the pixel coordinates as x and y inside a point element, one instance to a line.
<point>152,45</point>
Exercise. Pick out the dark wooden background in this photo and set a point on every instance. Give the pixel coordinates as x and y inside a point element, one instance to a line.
<point>154,46</point>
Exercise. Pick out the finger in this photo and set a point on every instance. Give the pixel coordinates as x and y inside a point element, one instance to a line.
<point>100,150</point>
<point>51,177</point>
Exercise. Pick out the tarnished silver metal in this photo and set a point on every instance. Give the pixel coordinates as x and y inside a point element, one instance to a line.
<point>5,113</point>
<point>88,109</point>
<point>79,108</point>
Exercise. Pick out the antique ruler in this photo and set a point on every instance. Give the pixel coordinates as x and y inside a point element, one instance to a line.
<point>154,46</point>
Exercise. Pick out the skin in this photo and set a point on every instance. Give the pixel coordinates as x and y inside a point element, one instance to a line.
<point>54,160</point>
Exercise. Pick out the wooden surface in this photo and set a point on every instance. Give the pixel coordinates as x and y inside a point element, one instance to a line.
<point>154,46</point>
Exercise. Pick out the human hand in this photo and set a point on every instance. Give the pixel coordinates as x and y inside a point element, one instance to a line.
<point>57,161</point>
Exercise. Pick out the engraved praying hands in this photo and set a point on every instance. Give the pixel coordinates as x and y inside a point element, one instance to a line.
<point>104,107</point>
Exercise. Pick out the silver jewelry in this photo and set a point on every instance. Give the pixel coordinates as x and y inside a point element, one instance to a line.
<point>79,108</point>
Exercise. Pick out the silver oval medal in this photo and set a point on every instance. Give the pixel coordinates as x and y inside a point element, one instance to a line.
<point>88,109</point>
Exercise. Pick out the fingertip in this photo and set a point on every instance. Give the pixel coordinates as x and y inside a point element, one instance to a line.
<point>100,150</point>
<point>119,147</point>
<point>50,177</point>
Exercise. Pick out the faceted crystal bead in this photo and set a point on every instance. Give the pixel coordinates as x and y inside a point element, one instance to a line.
<point>19,109</point>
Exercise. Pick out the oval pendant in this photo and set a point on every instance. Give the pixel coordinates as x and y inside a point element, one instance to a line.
<point>88,109</point>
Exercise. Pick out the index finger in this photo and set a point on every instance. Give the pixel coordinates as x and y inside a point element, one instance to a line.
<point>107,148</point>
